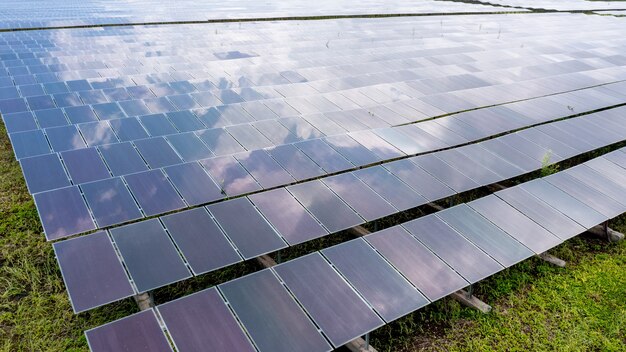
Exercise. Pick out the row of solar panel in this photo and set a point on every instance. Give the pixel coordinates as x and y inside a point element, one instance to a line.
<point>28,141</point>
<point>246,172</point>
<point>355,287</point>
<point>295,214</point>
<point>41,14</point>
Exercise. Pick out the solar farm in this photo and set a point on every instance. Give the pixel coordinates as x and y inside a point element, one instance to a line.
<point>296,176</point>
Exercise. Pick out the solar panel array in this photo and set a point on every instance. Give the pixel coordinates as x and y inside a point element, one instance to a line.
<point>220,235</point>
<point>569,5</point>
<point>242,139</point>
<point>352,288</point>
<point>204,125</point>
<point>42,13</point>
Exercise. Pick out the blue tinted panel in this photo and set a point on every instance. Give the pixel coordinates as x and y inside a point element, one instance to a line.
<point>63,213</point>
<point>122,158</point>
<point>193,183</point>
<point>153,192</point>
<point>110,202</point>
<point>43,173</point>
<point>29,143</point>
<point>157,152</point>
<point>84,165</point>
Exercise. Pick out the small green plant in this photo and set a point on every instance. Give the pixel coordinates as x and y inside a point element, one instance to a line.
<point>548,168</point>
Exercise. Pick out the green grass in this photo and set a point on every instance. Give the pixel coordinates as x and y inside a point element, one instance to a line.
<point>537,306</point>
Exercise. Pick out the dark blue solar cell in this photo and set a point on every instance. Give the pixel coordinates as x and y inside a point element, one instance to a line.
<point>157,152</point>
<point>185,121</point>
<point>79,114</point>
<point>220,141</point>
<point>273,319</point>
<point>122,158</point>
<point>264,169</point>
<point>359,196</point>
<point>51,118</point>
<point>110,202</point>
<point>92,272</point>
<point>203,319</point>
<point>419,180</point>
<point>55,87</point>
<point>193,183</point>
<point>13,105</point>
<point>157,125</point>
<point>153,192</point>
<point>206,99</point>
<point>324,156</point>
<point>40,102</point>
<point>228,96</point>
<point>391,295</point>
<point>140,92</point>
<point>149,254</point>
<point>117,94</point>
<point>19,122</point>
<point>159,105</point>
<point>200,240</point>
<point>339,311</point>
<point>9,93</point>
<point>246,227</point>
<point>67,99</point>
<point>288,216</point>
<point>134,107</point>
<point>295,162</point>
<point>396,192</point>
<point>44,173</point>
<point>78,85</point>
<point>108,111</point>
<point>30,90</point>
<point>329,209</point>
<point>128,129</point>
<point>97,133</point>
<point>84,165</point>
<point>189,147</point>
<point>351,150</point>
<point>183,102</point>
<point>230,176</point>
<point>29,143</point>
<point>93,97</point>
<point>63,212</point>
<point>65,138</point>
<point>137,332</point>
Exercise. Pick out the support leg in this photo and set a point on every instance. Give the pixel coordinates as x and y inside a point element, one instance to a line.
<point>552,259</point>
<point>468,299</point>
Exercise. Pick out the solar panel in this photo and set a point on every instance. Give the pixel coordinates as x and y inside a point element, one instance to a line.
<point>445,173</point>
<point>92,272</point>
<point>324,156</point>
<point>264,168</point>
<point>397,193</point>
<point>110,202</point>
<point>230,176</point>
<point>246,228</point>
<point>598,181</point>
<point>294,161</point>
<point>288,216</point>
<point>65,138</point>
<point>63,212</point>
<point>354,152</point>
<point>465,258</point>
<point>432,276</point>
<point>515,223</point>
<point>97,133</point>
<point>540,212</point>
<point>122,158</point>
<point>193,183</point>
<point>43,173</point>
<point>587,195</point>
<point>564,203</point>
<point>201,321</point>
<point>220,141</point>
<point>85,165</point>
<point>189,147</point>
<point>329,209</point>
<point>157,152</point>
<point>153,192</point>
<point>484,234</point>
<point>140,331</point>
<point>149,255</point>
<point>270,315</point>
<point>200,240</point>
<point>328,299</point>
<point>475,171</point>
<point>391,295</point>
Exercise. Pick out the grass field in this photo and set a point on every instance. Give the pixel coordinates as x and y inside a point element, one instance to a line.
<point>536,306</point>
